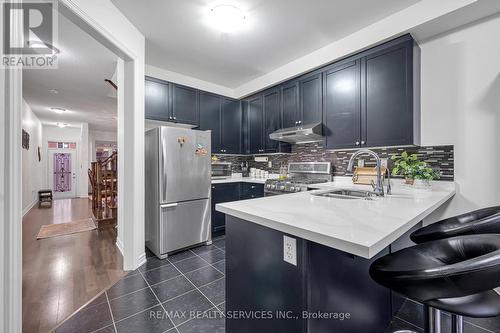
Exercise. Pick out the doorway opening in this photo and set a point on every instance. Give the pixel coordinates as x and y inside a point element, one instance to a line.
<point>69,247</point>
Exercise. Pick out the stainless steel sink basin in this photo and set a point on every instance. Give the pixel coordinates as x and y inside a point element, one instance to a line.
<point>342,193</point>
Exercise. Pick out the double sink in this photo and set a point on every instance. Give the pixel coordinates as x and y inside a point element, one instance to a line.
<point>348,194</point>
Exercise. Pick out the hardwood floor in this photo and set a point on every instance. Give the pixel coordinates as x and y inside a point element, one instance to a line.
<point>62,274</point>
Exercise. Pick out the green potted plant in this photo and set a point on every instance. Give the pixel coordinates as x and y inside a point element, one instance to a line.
<point>410,167</point>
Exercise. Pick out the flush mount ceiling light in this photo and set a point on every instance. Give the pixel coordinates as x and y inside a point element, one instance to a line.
<point>58,110</point>
<point>61,125</point>
<point>227,18</point>
<point>54,91</point>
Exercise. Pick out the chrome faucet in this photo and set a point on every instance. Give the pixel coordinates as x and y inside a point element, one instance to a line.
<point>378,188</point>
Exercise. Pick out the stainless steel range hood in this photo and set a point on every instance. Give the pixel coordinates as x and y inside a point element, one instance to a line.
<point>298,135</point>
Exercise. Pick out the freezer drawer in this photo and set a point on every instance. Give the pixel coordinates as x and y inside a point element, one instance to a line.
<point>184,224</point>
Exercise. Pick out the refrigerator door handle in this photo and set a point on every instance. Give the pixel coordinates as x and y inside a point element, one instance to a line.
<point>169,205</point>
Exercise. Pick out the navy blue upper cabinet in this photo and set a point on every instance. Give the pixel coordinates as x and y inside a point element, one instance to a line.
<point>157,99</point>
<point>371,99</point>
<point>272,118</point>
<point>165,101</point>
<point>184,105</point>
<point>231,126</point>
<point>387,110</point>
<point>342,99</point>
<point>210,118</point>
<point>290,104</point>
<point>311,99</point>
<point>255,125</point>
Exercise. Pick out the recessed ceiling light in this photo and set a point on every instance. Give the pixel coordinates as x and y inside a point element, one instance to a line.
<point>61,125</point>
<point>58,110</point>
<point>227,18</point>
<point>54,91</point>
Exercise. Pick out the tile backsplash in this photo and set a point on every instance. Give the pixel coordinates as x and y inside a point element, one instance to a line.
<point>438,157</point>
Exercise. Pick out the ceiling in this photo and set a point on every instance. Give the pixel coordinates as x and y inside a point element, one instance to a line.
<point>83,64</point>
<point>179,39</point>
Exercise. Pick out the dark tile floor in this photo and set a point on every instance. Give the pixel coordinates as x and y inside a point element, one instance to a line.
<point>181,294</point>
<point>186,294</point>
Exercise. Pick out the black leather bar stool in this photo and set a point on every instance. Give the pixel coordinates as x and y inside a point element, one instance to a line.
<point>482,221</point>
<point>455,274</point>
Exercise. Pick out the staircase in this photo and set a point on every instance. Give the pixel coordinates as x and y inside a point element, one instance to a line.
<point>104,183</point>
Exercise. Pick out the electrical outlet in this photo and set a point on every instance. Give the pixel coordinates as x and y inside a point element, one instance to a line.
<point>290,250</point>
<point>361,162</point>
<point>383,162</point>
<point>270,164</point>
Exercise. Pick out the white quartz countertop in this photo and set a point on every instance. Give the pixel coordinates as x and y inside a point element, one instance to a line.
<point>360,227</point>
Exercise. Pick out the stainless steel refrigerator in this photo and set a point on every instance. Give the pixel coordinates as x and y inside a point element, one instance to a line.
<point>177,174</point>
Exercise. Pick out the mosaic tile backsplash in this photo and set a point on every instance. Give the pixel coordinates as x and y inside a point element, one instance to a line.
<point>438,157</point>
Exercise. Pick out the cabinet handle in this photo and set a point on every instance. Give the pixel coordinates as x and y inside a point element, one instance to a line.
<point>175,118</point>
<point>300,122</point>
<point>357,143</point>
<point>362,142</point>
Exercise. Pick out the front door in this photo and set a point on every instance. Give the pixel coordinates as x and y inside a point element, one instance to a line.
<point>62,173</point>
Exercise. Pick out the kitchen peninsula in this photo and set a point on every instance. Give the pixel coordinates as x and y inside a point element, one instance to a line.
<point>328,244</point>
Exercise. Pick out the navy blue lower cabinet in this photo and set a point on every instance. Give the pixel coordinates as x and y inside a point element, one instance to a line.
<point>340,283</point>
<point>258,281</point>
<point>222,193</point>
<point>327,291</point>
<point>251,191</point>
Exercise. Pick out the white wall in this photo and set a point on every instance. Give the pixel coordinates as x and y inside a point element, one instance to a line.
<point>186,80</point>
<point>83,155</point>
<point>461,106</point>
<point>31,167</point>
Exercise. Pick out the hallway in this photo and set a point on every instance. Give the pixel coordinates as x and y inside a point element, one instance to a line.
<point>62,274</point>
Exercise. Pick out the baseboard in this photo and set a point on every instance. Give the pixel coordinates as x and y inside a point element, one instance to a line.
<point>119,245</point>
<point>142,259</point>
<point>31,205</point>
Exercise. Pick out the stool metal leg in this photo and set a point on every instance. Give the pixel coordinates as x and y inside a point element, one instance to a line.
<point>457,324</point>
<point>432,320</point>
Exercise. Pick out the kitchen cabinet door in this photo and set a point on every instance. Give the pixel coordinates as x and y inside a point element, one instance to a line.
<point>251,191</point>
<point>311,99</point>
<point>272,119</point>
<point>342,118</point>
<point>184,105</point>
<point>210,118</point>
<point>244,128</point>
<point>222,193</point>
<point>255,125</point>
<point>388,105</point>
<point>290,104</point>
<point>231,126</point>
<point>157,99</point>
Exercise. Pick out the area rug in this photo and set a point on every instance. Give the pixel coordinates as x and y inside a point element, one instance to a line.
<point>62,229</point>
